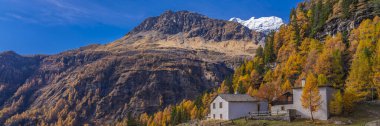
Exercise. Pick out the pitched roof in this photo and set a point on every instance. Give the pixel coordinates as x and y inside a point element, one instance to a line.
<point>322,86</point>
<point>238,98</point>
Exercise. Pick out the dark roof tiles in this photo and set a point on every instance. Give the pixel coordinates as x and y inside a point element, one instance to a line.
<point>238,98</point>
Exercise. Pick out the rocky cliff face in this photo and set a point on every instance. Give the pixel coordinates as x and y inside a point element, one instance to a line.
<point>363,9</point>
<point>166,59</point>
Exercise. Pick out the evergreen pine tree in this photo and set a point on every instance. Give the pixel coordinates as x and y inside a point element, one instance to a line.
<point>269,54</point>
<point>260,52</point>
<point>241,89</point>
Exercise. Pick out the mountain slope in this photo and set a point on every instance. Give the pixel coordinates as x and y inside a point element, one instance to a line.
<point>14,70</point>
<point>190,31</point>
<point>175,56</point>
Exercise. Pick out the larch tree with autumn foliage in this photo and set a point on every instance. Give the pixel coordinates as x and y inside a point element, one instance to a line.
<point>310,98</point>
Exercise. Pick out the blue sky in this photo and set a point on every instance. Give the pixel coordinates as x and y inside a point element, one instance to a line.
<point>53,26</point>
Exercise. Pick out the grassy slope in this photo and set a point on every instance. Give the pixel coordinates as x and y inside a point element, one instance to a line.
<point>364,113</point>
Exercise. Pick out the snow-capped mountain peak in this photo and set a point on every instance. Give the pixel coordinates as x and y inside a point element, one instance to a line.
<point>234,19</point>
<point>263,24</point>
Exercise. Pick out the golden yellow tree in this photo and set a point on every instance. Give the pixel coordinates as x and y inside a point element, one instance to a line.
<point>310,98</point>
<point>166,115</point>
<point>288,43</point>
<point>336,104</point>
<point>376,56</point>
<point>293,67</point>
<point>144,118</point>
<point>194,113</point>
<point>286,86</point>
<point>223,88</point>
<point>349,98</point>
<point>252,91</point>
<point>123,122</point>
<point>269,91</point>
<point>376,69</point>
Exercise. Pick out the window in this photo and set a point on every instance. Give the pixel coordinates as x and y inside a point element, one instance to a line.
<point>220,104</point>
<point>282,108</point>
<point>213,116</point>
<point>290,99</point>
<point>213,105</point>
<point>221,116</point>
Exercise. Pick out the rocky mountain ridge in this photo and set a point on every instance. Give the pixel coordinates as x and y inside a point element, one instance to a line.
<point>194,25</point>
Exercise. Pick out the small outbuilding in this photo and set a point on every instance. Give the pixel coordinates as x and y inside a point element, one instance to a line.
<point>234,106</point>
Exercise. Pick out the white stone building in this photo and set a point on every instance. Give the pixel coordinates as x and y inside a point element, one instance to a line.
<point>233,106</point>
<point>293,101</point>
